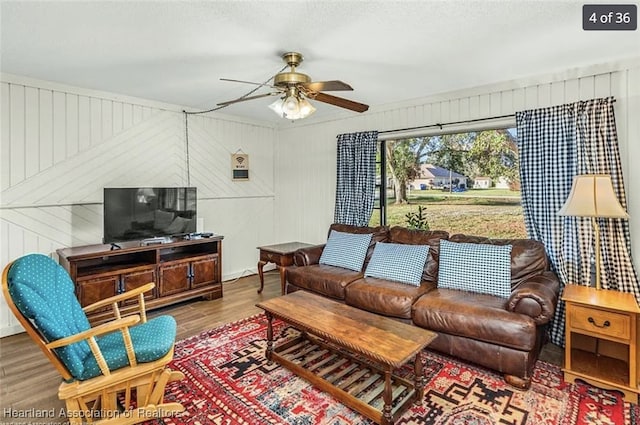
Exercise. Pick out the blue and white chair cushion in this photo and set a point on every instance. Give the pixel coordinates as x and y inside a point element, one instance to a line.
<point>43,291</point>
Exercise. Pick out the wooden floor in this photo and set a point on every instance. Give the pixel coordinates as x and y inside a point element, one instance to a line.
<point>28,381</point>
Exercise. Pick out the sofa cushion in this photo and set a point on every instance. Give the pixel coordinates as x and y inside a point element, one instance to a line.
<point>528,256</point>
<point>346,250</point>
<point>379,234</point>
<point>382,296</point>
<point>481,268</point>
<point>398,234</point>
<point>477,316</point>
<point>398,262</point>
<point>329,281</point>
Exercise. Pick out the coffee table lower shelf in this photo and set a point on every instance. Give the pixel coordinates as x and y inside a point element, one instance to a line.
<point>354,382</point>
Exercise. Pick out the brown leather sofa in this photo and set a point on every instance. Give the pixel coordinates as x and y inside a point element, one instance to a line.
<point>501,334</point>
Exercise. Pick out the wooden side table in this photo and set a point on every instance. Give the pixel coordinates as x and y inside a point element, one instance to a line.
<point>602,339</point>
<point>282,255</point>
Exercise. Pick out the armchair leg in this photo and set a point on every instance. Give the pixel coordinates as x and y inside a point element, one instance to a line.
<point>158,389</point>
<point>149,389</point>
<point>109,402</point>
<point>73,406</point>
<point>176,376</point>
<point>143,392</point>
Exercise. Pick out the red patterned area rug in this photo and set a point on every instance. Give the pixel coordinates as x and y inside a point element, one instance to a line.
<point>228,381</point>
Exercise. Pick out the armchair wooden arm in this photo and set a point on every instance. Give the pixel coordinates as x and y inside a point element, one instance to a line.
<point>90,336</point>
<point>102,329</point>
<point>114,300</point>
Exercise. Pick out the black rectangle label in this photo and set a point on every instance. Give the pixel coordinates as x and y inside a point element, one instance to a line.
<point>240,174</point>
<point>609,17</point>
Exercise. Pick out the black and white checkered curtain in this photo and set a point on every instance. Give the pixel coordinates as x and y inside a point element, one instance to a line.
<point>556,144</point>
<point>356,179</point>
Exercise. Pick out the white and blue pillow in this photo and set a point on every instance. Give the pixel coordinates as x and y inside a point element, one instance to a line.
<point>474,267</point>
<point>347,250</point>
<point>398,262</point>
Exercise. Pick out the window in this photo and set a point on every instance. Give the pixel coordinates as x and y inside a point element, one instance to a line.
<point>466,182</point>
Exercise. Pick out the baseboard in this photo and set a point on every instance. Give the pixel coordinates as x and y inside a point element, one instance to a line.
<point>11,330</point>
<point>246,272</point>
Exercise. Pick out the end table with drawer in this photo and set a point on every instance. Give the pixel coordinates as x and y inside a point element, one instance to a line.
<point>282,255</point>
<point>602,339</point>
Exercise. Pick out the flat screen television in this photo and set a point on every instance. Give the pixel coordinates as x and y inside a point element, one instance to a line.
<point>147,212</point>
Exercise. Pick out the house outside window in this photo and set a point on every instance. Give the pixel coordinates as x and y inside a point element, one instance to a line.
<point>466,182</point>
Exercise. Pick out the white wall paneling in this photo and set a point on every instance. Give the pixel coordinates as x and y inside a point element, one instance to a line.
<point>304,206</point>
<point>61,145</point>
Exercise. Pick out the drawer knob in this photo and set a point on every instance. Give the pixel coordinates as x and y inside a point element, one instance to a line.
<point>606,323</point>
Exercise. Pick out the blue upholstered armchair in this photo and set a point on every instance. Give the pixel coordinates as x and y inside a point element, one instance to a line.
<point>103,367</point>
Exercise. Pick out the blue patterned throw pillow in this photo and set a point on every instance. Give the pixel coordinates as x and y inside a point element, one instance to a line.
<point>475,267</point>
<point>398,262</point>
<point>346,250</point>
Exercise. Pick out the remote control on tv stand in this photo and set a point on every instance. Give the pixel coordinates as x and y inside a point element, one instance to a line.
<point>154,241</point>
<point>201,235</point>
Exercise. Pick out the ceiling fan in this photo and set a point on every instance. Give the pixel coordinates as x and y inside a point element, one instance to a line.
<point>295,88</point>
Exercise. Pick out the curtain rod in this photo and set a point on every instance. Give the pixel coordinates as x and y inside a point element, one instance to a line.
<point>440,125</point>
<point>448,123</point>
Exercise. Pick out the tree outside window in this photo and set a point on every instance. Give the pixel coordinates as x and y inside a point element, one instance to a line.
<point>465,183</point>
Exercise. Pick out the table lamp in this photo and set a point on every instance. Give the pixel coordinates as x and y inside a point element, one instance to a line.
<point>592,195</point>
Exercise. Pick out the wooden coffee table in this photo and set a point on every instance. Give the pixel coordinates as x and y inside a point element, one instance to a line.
<point>350,353</point>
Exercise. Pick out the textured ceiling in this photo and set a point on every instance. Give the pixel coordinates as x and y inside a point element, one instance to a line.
<point>389,51</point>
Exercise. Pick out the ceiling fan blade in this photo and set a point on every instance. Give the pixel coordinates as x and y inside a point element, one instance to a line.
<point>333,85</point>
<point>242,99</point>
<point>338,101</point>
<point>247,82</point>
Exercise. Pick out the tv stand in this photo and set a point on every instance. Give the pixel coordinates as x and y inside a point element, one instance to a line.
<point>181,269</point>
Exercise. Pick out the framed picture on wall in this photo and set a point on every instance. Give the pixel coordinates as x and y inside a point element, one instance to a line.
<point>240,166</point>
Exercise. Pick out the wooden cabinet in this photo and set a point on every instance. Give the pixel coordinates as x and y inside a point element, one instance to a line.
<point>601,339</point>
<point>204,271</point>
<point>135,279</point>
<point>181,270</point>
<point>174,278</point>
<point>90,290</point>
<point>181,275</point>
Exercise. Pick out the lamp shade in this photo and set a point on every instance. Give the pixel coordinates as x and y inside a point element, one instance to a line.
<point>285,107</point>
<point>592,195</point>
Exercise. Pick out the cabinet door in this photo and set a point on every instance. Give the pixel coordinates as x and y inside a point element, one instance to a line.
<point>96,289</point>
<point>174,278</point>
<point>204,271</point>
<point>136,279</point>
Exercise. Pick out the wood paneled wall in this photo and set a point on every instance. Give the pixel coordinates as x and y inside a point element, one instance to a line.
<point>304,206</point>
<point>60,146</point>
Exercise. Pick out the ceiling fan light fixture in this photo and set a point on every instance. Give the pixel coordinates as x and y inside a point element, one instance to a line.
<point>277,107</point>
<point>306,108</point>
<point>294,88</point>
<point>292,107</point>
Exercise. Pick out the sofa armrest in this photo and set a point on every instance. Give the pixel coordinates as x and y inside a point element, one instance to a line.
<point>536,297</point>
<point>308,256</point>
